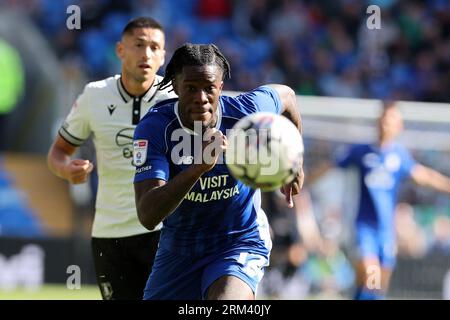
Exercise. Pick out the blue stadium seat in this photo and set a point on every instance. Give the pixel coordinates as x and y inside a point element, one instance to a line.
<point>17,219</point>
<point>94,48</point>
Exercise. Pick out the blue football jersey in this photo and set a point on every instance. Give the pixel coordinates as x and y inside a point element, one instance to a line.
<point>219,210</point>
<point>381,171</point>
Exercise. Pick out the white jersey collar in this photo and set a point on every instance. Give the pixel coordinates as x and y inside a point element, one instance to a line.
<point>147,96</point>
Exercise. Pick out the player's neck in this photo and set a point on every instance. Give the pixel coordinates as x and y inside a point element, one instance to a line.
<point>212,124</point>
<point>384,140</point>
<point>134,87</point>
<point>190,125</point>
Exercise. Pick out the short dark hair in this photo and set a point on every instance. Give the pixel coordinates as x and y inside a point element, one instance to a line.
<point>194,55</point>
<point>141,22</point>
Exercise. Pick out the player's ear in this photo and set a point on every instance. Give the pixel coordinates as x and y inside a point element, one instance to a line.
<point>221,86</point>
<point>119,49</point>
<point>163,55</point>
<point>175,86</point>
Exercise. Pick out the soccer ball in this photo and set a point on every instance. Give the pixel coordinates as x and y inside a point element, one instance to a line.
<point>265,151</point>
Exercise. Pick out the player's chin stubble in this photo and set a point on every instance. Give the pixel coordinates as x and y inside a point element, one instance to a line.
<point>211,123</point>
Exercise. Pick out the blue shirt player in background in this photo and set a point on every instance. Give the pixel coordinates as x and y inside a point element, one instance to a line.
<point>382,166</point>
<point>215,240</point>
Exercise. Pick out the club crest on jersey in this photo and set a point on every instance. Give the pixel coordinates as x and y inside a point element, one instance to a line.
<point>139,152</point>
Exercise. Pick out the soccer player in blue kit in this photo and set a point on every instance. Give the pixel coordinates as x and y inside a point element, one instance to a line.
<point>215,241</point>
<point>382,167</point>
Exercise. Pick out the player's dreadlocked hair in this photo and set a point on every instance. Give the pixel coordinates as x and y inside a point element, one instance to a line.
<point>194,55</point>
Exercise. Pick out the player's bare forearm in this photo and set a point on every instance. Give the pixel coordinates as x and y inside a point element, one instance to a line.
<point>290,110</point>
<point>59,162</point>
<point>431,178</point>
<point>59,156</point>
<point>289,104</point>
<point>156,199</point>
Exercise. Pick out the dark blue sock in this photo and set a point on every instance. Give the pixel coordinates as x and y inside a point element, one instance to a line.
<point>366,294</point>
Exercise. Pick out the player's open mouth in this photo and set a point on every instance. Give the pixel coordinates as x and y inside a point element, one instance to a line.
<point>144,66</point>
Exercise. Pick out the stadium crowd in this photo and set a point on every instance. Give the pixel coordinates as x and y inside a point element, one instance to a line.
<point>316,47</point>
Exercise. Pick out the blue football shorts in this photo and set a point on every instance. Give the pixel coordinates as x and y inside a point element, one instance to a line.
<point>370,242</point>
<point>178,277</point>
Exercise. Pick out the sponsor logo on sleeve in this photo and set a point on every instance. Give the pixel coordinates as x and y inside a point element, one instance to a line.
<point>143,169</point>
<point>139,152</point>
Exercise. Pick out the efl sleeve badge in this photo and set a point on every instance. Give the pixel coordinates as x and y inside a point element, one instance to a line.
<point>139,152</point>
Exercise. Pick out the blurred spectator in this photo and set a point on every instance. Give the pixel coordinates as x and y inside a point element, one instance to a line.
<point>329,272</point>
<point>214,9</point>
<point>283,279</point>
<point>303,263</point>
<point>441,232</point>
<point>11,85</point>
<point>321,48</point>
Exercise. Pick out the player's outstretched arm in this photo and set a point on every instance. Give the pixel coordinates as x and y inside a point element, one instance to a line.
<point>59,162</point>
<point>289,104</point>
<point>290,111</point>
<point>430,178</point>
<point>156,199</point>
<point>318,171</point>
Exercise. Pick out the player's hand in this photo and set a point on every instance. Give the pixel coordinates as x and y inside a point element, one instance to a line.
<point>293,188</point>
<point>214,145</point>
<point>77,170</point>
